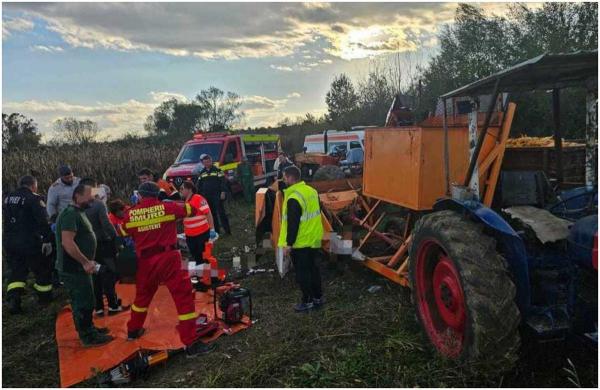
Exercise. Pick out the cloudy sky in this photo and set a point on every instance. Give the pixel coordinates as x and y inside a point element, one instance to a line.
<point>115,62</point>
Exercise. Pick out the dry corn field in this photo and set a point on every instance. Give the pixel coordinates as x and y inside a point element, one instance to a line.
<point>114,164</point>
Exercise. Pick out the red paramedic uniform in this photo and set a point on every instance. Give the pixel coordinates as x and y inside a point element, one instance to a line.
<point>114,220</point>
<point>153,226</point>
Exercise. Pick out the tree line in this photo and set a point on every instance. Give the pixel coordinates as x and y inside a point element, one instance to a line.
<point>476,45</point>
<point>211,110</point>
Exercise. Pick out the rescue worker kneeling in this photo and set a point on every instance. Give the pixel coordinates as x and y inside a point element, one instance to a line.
<point>153,226</point>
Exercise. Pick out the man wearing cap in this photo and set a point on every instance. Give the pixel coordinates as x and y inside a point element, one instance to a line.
<point>59,197</point>
<point>213,186</point>
<point>153,226</point>
<point>60,192</point>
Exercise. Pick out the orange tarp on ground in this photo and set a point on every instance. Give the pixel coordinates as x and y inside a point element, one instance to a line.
<point>78,363</point>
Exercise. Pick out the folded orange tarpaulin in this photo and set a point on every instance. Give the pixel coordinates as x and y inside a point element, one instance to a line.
<point>78,363</point>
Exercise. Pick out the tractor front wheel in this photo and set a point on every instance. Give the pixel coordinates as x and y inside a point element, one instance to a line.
<point>463,292</point>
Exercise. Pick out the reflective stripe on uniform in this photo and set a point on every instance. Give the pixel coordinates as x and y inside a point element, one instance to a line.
<point>303,206</point>
<point>188,209</point>
<point>301,198</point>
<point>165,218</point>
<point>139,309</point>
<point>229,167</point>
<point>42,288</point>
<point>307,216</point>
<point>195,224</point>
<point>13,285</point>
<point>197,218</point>
<point>188,316</point>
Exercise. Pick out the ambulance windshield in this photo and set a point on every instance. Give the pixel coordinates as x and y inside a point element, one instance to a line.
<point>192,153</point>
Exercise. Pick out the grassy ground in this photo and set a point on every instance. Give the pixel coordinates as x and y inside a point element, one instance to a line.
<point>359,339</point>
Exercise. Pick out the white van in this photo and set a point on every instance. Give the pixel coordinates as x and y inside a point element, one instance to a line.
<point>337,141</point>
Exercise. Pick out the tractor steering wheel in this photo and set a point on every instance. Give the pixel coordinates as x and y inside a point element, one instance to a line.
<point>561,210</point>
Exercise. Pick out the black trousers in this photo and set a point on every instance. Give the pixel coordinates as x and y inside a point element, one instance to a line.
<point>52,260</point>
<point>217,208</point>
<point>20,263</point>
<point>196,246</point>
<point>104,281</point>
<point>308,275</point>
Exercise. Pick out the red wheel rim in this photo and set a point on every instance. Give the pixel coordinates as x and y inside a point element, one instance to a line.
<point>440,298</point>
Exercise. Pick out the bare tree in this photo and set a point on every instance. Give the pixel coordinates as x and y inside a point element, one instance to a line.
<point>74,131</point>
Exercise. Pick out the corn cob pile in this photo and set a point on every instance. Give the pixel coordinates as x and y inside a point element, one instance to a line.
<point>536,142</point>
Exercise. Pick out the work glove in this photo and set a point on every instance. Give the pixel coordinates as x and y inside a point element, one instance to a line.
<point>212,235</point>
<point>53,227</point>
<point>134,199</point>
<point>46,248</point>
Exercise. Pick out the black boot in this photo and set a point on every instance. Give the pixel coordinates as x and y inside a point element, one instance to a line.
<point>135,334</point>
<point>14,304</point>
<point>44,298</point>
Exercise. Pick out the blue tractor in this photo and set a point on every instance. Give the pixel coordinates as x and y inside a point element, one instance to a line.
<point>483,276</point>
<point>485,263</point>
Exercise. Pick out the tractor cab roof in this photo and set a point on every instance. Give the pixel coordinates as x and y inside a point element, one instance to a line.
<point>544,72</point>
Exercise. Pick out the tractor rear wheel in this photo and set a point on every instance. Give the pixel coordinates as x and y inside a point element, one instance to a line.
<point>464,296</point>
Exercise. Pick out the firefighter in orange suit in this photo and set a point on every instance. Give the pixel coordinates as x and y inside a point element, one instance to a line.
<point>153,226</point>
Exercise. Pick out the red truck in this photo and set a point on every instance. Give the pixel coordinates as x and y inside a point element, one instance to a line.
<point>227,151</point>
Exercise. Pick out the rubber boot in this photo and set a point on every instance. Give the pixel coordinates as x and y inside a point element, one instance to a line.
<point>14,304</point>
<point>44,298</point>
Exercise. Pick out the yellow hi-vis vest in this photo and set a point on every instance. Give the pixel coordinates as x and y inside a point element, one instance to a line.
<point>310,231</point>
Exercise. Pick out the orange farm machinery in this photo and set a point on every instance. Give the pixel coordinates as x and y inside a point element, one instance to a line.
<point>489,254</point>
